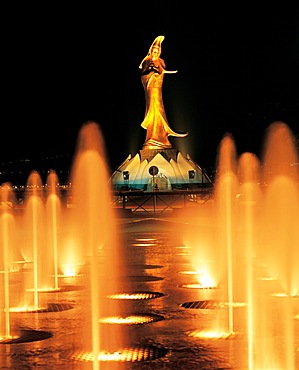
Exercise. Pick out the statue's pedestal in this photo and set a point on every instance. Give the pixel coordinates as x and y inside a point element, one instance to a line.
<point>149,154</point>
<point>174,171</point>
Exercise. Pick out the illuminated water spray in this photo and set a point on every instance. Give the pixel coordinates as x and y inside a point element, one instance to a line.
<point>53,217</point>
<point>98,238</point>
<point>225,200</point>
<point>7,255</point>
<point>254,231</point>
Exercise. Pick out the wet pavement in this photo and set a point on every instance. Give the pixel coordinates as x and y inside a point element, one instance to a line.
<point>156,261</point>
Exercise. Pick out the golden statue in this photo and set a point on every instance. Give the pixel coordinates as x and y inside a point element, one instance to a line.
<point>155,121</point>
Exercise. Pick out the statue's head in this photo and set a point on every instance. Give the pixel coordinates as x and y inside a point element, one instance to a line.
<point>154,50</point>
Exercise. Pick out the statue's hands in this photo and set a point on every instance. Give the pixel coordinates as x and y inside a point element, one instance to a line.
<point>154,68</point>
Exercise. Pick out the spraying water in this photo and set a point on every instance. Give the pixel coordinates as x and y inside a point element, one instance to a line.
<point>7,254</point>
<point>97,232</point>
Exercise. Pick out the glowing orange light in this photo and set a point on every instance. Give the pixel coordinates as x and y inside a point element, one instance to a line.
<point>131,319</point>
<point>139,295</point>
<point>211,334</point>
<point>27,309</point>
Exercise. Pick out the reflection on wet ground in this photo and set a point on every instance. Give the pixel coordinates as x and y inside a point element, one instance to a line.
<point>164,315</point>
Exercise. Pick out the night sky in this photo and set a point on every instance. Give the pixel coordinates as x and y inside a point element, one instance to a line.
<point>238,71</point>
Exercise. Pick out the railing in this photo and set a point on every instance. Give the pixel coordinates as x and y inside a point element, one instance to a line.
<point>159,201</point>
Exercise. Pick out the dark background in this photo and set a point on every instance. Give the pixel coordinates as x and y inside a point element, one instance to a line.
<point>65,65</point>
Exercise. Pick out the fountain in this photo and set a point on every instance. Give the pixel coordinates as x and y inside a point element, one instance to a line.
<point>97,234</point>
<point>256,213</point>
<point>53,213</point>
<point>278,251</point>
<point>48,244</point>
<point>7,227</point>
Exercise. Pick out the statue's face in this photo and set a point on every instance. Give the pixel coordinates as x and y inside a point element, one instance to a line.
<point>155,52</point>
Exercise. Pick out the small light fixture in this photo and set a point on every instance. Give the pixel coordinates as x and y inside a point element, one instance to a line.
<point>191,174</point>
<point>126,175</point>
